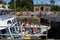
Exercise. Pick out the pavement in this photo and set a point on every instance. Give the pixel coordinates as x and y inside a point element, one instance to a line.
<point>31,39</point>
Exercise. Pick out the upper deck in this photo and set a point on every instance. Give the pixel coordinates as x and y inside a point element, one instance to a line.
<point>2,6</point>
<point>4,12</point>
<point>5,17</point>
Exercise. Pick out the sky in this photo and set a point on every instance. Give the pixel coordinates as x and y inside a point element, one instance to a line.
<point>57,2</point>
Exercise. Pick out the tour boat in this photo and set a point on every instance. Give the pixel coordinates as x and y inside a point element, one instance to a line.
<point>10,28</point>
<point>8,23</point>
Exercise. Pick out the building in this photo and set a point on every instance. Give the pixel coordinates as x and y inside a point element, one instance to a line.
<point>39,7</point>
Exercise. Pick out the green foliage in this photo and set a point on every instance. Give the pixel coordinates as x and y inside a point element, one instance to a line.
<point>18,9</point>
<point>29,4</point>
<point>55,8</point>
<point>2,2</point>
<point>24,8</point>
<point>52,2</point>
<point>22,5</point>
<point>11,3</point>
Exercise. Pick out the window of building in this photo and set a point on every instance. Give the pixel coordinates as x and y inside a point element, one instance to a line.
<point>42,8</point>
<point>47,9</point>
<point>37,9</point>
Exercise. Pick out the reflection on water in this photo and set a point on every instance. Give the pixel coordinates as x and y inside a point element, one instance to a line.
<point>57,18</point>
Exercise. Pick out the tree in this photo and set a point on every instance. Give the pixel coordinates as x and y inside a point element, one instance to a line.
<point>2,2</point>
<point>11,3</point>
<point>55,8</point>
<point>29,4</point>
<point>18,9</point>
<point>52,2</point>
<point>22,4</point>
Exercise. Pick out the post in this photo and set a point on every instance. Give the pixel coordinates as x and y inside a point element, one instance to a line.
<point>10,33</point>
<point>21,30</point>
<point>47,33</point>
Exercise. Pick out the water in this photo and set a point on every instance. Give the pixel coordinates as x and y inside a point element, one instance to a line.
<point>57,18</point>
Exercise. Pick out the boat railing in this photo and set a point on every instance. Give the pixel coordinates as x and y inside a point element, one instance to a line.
<point>18,34</point>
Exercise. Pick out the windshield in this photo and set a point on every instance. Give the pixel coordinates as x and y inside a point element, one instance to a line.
<point>4,12</point>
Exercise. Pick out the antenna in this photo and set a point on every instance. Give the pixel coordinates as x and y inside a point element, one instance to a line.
<point>15,6</point>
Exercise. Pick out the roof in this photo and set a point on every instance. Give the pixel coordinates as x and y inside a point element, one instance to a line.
<point>41,5</point>
<point>4,7</point>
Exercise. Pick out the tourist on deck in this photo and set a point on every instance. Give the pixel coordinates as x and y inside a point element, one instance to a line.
<point>55,14</point>
<point>25,24</point>
<point>42,13</point>
<point>33,28</point>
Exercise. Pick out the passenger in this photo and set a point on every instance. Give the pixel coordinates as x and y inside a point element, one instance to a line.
<point>42,13</point>
<point>17,31</point>
<point>32,24</point>
<point>4,37</point>
<point>39,29</point>
<point>23,33</point>
<point>25,24</point>
<point>33,28</point>
<point>26,32</point>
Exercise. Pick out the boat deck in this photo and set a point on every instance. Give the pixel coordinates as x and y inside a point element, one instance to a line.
<point>4,17</point>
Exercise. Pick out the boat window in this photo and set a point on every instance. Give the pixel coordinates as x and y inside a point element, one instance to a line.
<point>1,12</point>
<point>4,12</point>
<point>15,24</point>
<point>7,31</point>
<point>12,29</point>
<point>3,31</point>
<point>9,22</point>
<point>14,21</point>
<point>0,32</point>
<point>3,6</point>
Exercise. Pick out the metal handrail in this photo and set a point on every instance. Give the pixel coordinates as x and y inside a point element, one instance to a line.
<point>30,34</point>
